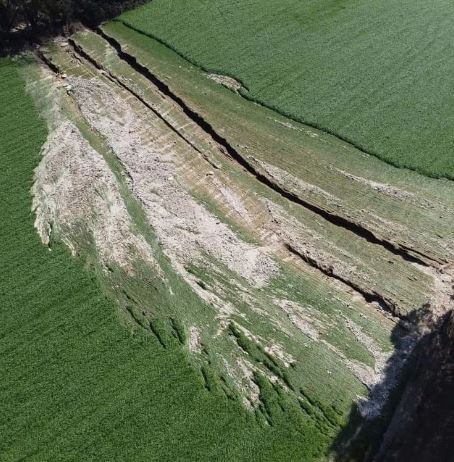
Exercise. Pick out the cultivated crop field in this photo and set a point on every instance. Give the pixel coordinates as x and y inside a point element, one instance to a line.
<point>374,73</point>
<point>192,276</point>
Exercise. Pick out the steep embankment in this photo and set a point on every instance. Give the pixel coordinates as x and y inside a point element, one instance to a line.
<point>422,427</point>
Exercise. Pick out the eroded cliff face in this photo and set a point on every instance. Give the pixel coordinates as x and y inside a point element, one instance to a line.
<point>422,427</point>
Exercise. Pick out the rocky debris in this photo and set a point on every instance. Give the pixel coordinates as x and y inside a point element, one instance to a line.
<point>247,383</point>
<point>441,300</point>
<point>369,343</point>
<point>278,351</point>
<point>184,226</point>
<point>230,198</point>
<point>387,189</point>
<point>76,197</point>
<point>195,340</point>
<point>299,128</point>
<point>295,184</point>
<point>228,82</point>
<point>308,325</point>
<point>387,369</point>
<point>364,373</point>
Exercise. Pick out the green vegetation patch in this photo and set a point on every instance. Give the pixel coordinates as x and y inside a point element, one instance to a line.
<point>375,73</point>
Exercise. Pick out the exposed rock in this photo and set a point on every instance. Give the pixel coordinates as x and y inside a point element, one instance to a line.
<point>422,427</point>
<point>226,81</point>
<point>76,197</point>
<point>184,226</point>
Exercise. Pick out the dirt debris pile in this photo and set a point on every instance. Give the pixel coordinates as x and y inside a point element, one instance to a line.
<point>76,199</point>
<point>184,226</point>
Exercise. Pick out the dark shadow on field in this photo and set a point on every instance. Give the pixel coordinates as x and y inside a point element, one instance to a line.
<point>417,421</point>
<point>24,26</point>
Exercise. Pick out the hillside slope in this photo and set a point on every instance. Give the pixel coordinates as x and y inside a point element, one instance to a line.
<point>192,276</point>
<point>295,277</point>
<point>79,381</point>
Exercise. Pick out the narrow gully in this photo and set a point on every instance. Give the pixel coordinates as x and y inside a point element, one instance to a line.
<point>46,61</point>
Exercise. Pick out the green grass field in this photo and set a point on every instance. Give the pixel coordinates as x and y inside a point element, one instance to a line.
<point>78,383</point>
<point>376,73</point>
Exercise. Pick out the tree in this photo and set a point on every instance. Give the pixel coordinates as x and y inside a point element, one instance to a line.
<point>38,15</point>
<point>8,14</point>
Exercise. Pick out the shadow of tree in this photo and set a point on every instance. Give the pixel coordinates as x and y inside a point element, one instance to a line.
<point>23,25</point>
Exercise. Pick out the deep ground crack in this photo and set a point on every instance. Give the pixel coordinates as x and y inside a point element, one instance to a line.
<point>80,51</point>
<point>370,297</point>
<point>225,146</point>
<point>47,62</point>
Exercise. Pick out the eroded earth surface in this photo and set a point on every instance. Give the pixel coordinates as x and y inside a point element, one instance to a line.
<point>283,259</point>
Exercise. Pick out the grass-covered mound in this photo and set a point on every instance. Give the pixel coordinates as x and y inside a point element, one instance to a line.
<point>378,74</point>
